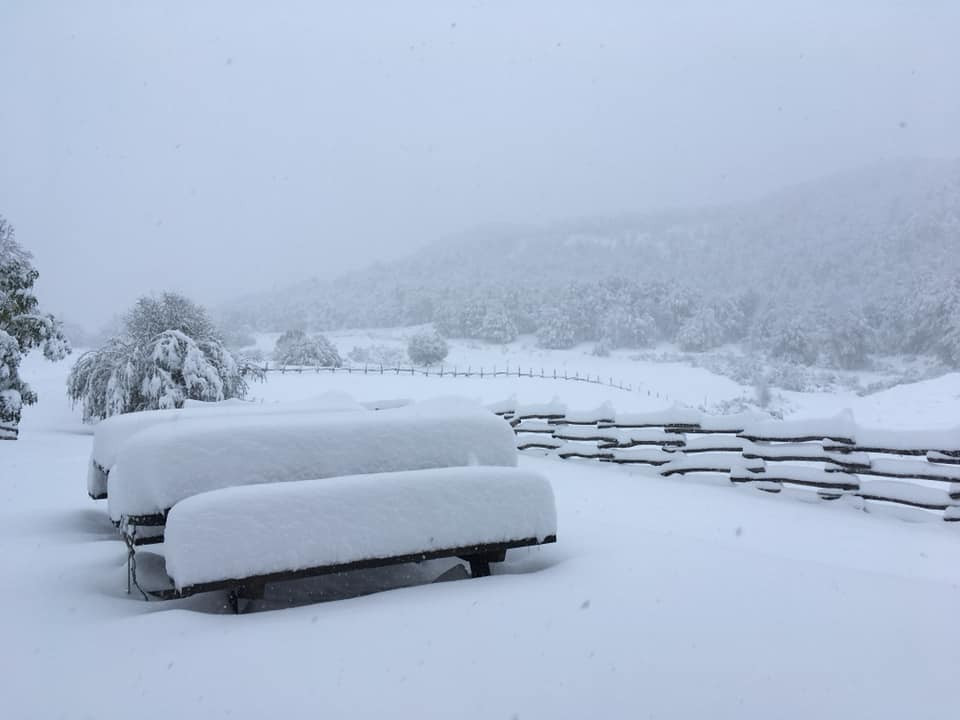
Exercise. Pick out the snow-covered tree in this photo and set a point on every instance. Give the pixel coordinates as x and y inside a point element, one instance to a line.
<point>169,352</point>
<point>295,347</point>
<point>426,348</point>
<point>620,327</point>
<point>701,331</point>
<point>847,340</point>
<point>22,328</point>
<point>556,330</point>
<point>792,339</point>
<point>498,326</point>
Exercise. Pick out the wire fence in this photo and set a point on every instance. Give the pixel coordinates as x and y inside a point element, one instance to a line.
<point>455,371</point>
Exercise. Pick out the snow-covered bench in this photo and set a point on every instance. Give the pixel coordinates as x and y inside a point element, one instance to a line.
<point>164,464</point>
<point>240,538</point>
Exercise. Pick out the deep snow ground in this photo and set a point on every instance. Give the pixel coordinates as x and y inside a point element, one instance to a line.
<point>662,598</point>
<point>927,404</point>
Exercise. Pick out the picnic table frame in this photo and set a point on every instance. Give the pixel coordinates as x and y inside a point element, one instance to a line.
<point>479,557</point>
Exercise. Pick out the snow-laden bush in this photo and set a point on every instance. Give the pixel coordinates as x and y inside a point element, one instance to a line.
<point>847,341</point>
<point>295,347</point>
<point>427,348</point>
<point>151,367</point>
<point>385,355</point>
<point>22,328</point>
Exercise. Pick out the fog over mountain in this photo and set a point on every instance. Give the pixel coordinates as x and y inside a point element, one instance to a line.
<point>853,242</point>
<point>222,147</point>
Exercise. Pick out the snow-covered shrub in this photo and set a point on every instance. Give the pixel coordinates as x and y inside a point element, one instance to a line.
<point>295,347</point>
<point>427,348</point>
<point>601,349</point>
<point>22,329</point>
<point>789,376</point>
<point>847,341</point>
<point>148,368</point>
<point>385,355</point>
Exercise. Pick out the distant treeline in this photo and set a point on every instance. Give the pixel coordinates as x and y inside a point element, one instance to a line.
<point>827,273</point>
<point>619,313</point>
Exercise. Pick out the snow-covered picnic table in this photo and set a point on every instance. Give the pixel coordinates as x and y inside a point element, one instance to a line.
<point>243,498</point>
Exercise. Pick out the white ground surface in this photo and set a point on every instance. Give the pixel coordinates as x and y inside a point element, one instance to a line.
<point>663,598</point>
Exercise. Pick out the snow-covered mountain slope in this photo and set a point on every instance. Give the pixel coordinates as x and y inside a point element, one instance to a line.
<point>853,236</point>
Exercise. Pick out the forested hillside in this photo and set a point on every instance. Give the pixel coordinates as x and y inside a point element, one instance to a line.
<point>833,270</point>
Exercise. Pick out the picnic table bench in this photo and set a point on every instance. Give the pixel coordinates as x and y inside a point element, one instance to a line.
<point>241,538</point>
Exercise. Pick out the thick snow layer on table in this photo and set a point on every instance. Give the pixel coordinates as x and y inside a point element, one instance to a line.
<point>258,529</point>
<point>112,433</point>
<point>839,427</point>
<point>96,479</point>
<point>162,465</point>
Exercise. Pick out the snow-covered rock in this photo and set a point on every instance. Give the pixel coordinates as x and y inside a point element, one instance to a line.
<point>239,532</point>
<point>162,465</point>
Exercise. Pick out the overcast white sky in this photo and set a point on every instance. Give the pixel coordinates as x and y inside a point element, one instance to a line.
<point>234,146</point>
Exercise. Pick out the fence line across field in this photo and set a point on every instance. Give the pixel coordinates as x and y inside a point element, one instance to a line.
<point>455,372</point>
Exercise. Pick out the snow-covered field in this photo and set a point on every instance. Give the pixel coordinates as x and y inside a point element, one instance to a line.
<point>662,597</point>
<point>922,405</point>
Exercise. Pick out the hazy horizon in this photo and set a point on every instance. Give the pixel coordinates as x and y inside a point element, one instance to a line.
<point>232,148</point>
